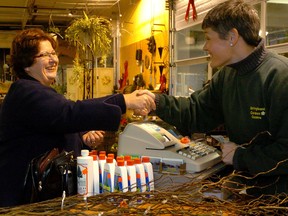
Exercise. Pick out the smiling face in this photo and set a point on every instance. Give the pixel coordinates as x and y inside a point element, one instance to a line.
<point>219,49</point>
<point>45,66</point>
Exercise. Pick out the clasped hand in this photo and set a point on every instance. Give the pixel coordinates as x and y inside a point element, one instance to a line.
<point>141,101</point>
<point>93,138</point>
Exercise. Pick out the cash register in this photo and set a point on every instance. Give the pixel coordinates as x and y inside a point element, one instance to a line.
<point>150,139</point>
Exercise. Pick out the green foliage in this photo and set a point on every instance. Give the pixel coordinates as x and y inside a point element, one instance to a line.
<point>53,29</point>
<point>78,71</point>
<point>93,33</point>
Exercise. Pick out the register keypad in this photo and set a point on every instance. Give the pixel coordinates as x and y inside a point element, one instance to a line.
<point>197,150</point>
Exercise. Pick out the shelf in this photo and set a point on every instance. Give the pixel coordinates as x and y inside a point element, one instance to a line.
<point>198,60</point>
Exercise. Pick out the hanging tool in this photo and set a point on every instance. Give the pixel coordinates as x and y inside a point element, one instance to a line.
<point>194,13</point>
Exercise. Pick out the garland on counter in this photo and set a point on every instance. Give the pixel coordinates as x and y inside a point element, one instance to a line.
<point>193,198</point>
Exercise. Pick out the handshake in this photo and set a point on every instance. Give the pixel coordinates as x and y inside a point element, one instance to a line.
<point>141,101</point>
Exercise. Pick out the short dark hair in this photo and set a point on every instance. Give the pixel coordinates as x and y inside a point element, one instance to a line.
<point>24,48</point>
<point>234,14</point>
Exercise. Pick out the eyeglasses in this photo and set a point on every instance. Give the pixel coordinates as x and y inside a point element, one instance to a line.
<point>47,54</point>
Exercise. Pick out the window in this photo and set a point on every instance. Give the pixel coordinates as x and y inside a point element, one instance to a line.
<point>276,22</point>
<point>192,63</point>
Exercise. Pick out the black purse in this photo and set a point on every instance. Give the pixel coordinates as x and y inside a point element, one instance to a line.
<point>50,175</point>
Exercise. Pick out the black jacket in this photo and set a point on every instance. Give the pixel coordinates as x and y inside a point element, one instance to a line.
<point>35,118</point>
<point>249,97</point>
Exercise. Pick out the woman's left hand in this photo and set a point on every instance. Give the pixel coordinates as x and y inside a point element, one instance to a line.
<point>93,138</point>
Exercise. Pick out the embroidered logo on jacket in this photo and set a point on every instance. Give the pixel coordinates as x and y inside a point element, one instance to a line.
<point>257,112</point>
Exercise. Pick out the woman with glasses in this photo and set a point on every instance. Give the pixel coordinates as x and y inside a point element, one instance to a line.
<point>35,118</point>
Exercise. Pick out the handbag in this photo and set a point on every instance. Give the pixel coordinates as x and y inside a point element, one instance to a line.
<point>50,175</point>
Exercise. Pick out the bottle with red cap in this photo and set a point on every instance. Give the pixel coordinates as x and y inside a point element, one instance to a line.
<point>131,175</point>
<point>120,180</point>
<point>149,176</point>
<point>96,187</point>
<point>140,175</point>
<point>101,163</point>
<point>108,176</point>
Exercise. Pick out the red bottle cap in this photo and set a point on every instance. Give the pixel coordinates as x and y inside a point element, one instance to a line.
<point>102,152</point>
<point>111,155</point>
<point>145,159</point>
<point>127,157</point>
<point>102,157</point>
<point>120,163</point>
<point>93,152</point>
<point>130,162</point>
<point>119,158</point>
<point>109,160</point>
<point>137,161</point>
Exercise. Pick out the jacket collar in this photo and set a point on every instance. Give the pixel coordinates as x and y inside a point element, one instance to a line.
<point>252,61</point>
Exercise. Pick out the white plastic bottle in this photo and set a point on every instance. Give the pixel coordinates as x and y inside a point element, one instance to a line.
<point>108,178</point>
<point>149,175</point>
<point>85,174</point>
<point>120,179</point>
<point>140,175</point>
<point>96,188</point>
<point>131,175</point>
<point>101,162</point>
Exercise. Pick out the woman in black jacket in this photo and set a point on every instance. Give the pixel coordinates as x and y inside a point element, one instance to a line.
<point>35,118</point>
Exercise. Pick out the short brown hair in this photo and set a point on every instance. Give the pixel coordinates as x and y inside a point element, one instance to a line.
<point>234,14</point>
<point>24,48</point>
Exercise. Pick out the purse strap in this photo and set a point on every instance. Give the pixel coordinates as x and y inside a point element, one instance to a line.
<point>47,159</point>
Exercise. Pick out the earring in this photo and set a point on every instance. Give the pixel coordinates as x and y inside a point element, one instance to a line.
<point>231,44</point>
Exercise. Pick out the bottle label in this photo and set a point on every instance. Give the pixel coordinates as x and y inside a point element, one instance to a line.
<point>82,179</point>
<point>131,179</point>
<point>107,182</point>
<point>147,181</point>
<point>118,185</point>
<point>100,181</point>
<point>138,182</point>
<point>129,182</point>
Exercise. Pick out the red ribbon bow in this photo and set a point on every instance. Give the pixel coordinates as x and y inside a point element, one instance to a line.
<point>194,13</point>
